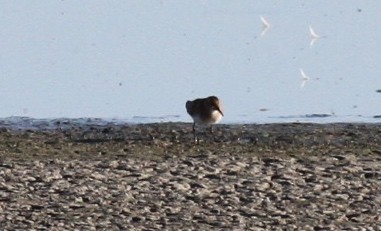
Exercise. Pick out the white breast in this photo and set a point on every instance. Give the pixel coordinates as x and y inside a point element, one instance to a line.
<point>216,117</point>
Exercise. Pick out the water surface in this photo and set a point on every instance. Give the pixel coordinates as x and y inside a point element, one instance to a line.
<point>141,60</point>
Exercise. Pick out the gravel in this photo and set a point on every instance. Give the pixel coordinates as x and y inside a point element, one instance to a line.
<point>152,177</point>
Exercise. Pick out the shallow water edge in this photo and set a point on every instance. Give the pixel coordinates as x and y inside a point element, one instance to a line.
<point>96,139</point>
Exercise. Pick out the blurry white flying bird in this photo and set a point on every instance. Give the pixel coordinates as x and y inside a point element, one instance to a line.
<point>265,25</point>
<point>314,36</point>
<point>305,78</point>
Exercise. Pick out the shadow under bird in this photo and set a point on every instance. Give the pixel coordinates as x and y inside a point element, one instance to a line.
<point>204,111</point>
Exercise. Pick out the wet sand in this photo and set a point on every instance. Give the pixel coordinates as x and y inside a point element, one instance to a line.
<point>122,176</point>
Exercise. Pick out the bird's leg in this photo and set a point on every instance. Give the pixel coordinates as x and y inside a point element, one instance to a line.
<point>212,132</point>
<point>194,133</point>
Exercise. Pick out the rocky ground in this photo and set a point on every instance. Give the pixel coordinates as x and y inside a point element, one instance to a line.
<point>153,177</point>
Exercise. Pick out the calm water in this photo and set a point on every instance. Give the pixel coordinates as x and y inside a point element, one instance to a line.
<point>139,61</point>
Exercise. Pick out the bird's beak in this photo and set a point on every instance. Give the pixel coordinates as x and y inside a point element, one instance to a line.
<point>220,111</point>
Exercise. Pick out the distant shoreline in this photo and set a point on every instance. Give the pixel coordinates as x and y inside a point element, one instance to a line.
<point>24,123</point>
<point>69,140</point>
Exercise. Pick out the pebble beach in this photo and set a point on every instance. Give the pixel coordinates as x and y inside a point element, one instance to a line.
<point>292,176</point>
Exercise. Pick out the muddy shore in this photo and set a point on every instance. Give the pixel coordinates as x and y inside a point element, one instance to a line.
<point>153,177</point>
